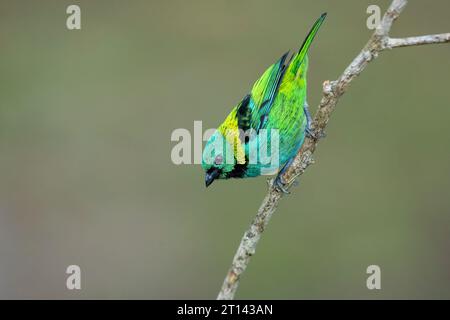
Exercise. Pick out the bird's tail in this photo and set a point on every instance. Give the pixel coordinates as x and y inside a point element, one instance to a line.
<point>300,56</point>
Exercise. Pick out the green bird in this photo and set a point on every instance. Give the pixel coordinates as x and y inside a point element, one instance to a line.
<point>273,116</point>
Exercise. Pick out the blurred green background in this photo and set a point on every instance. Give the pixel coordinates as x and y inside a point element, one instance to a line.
<point>86,176</point>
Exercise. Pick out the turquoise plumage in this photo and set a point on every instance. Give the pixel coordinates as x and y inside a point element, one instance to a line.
<point>273,114</point>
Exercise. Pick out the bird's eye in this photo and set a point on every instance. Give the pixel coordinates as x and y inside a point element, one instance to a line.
<point>218,160</point>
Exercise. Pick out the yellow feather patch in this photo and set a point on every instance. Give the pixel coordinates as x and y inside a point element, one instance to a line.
<point>229,129</point>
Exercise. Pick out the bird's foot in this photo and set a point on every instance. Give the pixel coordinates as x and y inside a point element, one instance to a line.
<point>310,134</point>
<point>280,185</point>
<point>309,129</point>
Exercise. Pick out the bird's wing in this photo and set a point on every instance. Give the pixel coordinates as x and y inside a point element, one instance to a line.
<point>253,110</point>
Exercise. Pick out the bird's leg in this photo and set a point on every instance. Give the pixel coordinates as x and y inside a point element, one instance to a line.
<point>309,131</point>
<point>279,181</point>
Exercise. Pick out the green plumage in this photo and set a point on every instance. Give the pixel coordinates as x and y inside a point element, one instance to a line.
<point>276,101</point>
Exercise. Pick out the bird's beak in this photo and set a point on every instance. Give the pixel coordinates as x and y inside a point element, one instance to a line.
<point>211,175</point>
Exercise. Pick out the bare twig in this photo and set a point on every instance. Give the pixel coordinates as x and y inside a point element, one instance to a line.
<point>332,91</point>
<point>417,41</point>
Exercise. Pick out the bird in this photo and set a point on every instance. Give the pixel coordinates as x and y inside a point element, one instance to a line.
<point>276,107</point>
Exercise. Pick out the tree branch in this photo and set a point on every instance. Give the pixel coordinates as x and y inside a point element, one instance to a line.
<point>332,91</point>
<point>417,41</point>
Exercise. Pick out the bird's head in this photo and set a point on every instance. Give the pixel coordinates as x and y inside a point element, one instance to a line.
<point>218,159</point>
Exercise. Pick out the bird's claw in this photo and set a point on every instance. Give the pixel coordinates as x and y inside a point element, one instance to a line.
<point>280,185</point>
<point>310,134</point>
